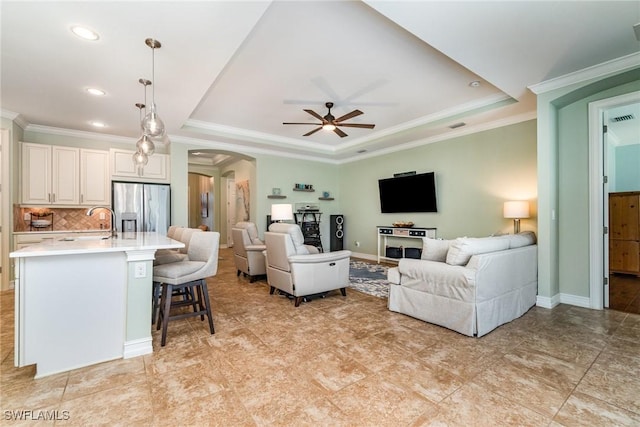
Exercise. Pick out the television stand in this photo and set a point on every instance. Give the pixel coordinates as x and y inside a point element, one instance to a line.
<point>386,232</point>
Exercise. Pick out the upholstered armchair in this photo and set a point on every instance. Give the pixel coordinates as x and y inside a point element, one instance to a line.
<point>298,269</point>
<point>248,250</point>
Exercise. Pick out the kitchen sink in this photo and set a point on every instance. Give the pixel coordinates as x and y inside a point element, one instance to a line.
<point>71,239</point>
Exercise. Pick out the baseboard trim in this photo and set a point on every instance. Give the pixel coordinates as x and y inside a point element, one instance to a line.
<point>575,300</point>
<point>546,302</point>
<point>578,301</point>
<point>137,348</point>
<point>364,256</point>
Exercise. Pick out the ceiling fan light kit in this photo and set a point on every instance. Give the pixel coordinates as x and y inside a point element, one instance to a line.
<point>330,123</point>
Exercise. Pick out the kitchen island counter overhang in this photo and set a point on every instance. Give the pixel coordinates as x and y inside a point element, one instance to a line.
<point>84,301</point>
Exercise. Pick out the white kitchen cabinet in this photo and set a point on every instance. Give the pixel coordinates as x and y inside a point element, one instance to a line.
<point>95,188</point>
<point>122,167</point>
<point>59,175</point>
<point>65,172</point>
<point>50,175</point>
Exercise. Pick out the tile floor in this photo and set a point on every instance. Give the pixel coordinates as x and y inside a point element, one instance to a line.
<point>345,362</point>
<point>624,293</point>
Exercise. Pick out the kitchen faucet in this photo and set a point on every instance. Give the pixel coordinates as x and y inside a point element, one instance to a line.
<point>114,231</point>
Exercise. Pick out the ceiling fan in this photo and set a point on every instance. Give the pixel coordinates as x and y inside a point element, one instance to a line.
<point>328,122</point>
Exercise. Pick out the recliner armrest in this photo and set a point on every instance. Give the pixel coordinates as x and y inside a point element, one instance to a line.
<point>255,248</point>
<point>318,258</point>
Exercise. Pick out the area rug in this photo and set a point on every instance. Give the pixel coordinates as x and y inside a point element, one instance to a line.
<point>369,278</point>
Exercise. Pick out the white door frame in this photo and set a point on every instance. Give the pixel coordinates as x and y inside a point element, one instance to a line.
<point>230,208</point>
<point>598,212</point>
<point>6,218</point>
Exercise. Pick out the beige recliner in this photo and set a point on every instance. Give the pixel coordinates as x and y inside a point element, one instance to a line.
<point>248,250</point>
<point>298,269</point>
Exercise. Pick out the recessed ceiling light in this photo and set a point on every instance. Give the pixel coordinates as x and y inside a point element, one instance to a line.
<point>475,83</point>
<point>96,92</point>
<point>361,151</point>
<point>85,33</point>
<point>98,124</point>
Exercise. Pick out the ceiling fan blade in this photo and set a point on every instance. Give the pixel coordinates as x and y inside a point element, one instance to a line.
<point>316,115</point>
<point>340,133</point>
<point>356,125</point>
<point>313,131</point>
<point>292,123</point>
<point>347,116</point>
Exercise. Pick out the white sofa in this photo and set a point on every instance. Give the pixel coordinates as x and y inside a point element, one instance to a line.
<point>469,285</point>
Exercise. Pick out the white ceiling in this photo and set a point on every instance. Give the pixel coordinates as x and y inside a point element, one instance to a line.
<point>230,72</point>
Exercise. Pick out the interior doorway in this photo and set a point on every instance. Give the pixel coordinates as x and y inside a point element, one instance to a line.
<point>608,290</point>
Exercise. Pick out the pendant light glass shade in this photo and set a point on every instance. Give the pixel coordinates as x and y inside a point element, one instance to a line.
<point>140,159</point>
<point>145,145</point>
<point>152,124</point>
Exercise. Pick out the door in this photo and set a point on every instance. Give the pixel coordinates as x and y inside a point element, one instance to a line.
<point>65,177</point>
<point>128,206</point>
<point>157,208</point>
<point>36,174</point>
<point>94,177</point>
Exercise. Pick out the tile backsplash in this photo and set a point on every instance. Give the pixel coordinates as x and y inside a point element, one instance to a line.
<point>63,219</point>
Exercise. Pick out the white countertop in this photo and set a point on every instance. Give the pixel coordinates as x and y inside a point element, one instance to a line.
<point>124,242</point>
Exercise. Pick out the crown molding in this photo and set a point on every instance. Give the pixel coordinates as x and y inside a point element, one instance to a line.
<point>600,71</point>
<point>14,117</point>
<point>79,134</point>
<point>467,130</point>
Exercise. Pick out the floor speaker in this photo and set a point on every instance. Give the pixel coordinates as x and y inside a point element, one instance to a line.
<point>336,228</point>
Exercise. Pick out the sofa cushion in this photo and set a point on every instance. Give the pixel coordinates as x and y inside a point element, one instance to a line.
<point>434,249</point>
<point>519,240</point>
<point>463,248</point>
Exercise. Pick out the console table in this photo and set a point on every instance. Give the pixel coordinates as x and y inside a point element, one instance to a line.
<point>384,232</point>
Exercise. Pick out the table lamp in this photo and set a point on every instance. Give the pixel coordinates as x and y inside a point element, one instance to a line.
<point>516,209</point>
<point>281,212</point>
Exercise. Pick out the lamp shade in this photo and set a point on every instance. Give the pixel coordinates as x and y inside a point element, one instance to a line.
<point>281,212</point>
<point>516,209</point>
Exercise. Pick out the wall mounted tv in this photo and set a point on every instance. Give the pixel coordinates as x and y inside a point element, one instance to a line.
<point>408,193</point>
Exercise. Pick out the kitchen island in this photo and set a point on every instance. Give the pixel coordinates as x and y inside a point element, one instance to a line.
<point>85,300</point>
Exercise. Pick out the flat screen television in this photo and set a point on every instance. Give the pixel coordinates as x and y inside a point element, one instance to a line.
<point>408,193</point>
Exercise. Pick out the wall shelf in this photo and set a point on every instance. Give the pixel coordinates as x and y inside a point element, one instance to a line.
<point>276,196</point>
<point>326,198</point>
<point>304,189</point>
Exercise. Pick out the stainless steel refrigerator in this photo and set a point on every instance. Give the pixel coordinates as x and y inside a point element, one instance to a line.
<point>141,207</point>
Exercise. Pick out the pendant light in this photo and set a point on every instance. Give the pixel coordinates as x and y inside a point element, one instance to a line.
<point>140,159</point>
<point>152,124</point>
<point>145,144</point>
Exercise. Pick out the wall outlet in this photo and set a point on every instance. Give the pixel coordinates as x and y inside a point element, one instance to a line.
<point>102,215</point>
<point>140,270</point>
<point>26,216</point>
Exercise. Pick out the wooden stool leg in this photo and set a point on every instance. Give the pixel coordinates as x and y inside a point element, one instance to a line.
<point>167,291</point>
<point>198,288</point>
<point>205,291</point>
<point>157,289</point>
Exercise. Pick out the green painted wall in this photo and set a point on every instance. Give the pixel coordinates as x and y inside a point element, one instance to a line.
<point>563,168</point>
<point>573,190</point>
<point>475,174</point>
<point>627,177</point>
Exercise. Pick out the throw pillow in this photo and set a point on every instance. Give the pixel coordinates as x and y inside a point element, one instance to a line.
<point>434,249</point>
<point>463,248</point>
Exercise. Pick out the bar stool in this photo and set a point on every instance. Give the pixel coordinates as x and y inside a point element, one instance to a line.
<point>190,277</point>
